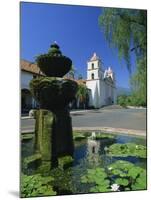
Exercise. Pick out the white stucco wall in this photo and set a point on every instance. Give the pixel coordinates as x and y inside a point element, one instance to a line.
<point>115,95</point>
<point>102,93</point>
<point>91,85</point>
<point>26,77</point>
<point>94,85</point>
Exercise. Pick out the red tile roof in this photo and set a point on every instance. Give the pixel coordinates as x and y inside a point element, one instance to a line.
<point>34,69</point>
<point>30,67</point>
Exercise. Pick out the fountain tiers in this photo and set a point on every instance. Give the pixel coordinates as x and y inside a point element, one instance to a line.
<point>53,128</point>
<point>53,93</point>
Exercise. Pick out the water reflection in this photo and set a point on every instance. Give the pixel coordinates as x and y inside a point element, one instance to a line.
<point>92,152</point>
<point>93,147</point>
<point>93,135</point>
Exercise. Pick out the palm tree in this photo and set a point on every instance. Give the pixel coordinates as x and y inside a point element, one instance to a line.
<point>82,95</point>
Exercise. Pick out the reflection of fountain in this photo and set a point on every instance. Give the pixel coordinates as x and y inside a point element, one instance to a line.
<point>93,147</point>
<point>93,135</point>
<point>53,129</point>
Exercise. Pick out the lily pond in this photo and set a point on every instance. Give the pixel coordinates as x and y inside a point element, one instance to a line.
<point>102,162</point>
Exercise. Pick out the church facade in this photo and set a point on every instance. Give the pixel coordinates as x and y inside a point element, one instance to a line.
<point>102,83</point>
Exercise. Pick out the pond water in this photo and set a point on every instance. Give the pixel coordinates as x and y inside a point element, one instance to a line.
<point>89,154</point>
<point>84,149</point>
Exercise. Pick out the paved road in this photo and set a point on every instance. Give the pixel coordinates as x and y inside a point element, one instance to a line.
<point>116,118</point>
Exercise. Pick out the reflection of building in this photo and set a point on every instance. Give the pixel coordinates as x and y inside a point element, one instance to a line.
<point>102,83</point>
<point>28,72</point>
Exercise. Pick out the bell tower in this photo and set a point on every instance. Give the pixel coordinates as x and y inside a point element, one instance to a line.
<point>93,68</point>
<point>93,80</point>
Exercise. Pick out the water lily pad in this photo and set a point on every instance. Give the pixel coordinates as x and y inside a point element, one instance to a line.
<point>36,185</point>
<point>122,181</point>
<point>135,171</point>
<point>104,136</point>
<point>128,149</point>
<point>127,174</point>
<point>141,181</point>
<point>99,189</point>
<point>121,165</point>
<point>97,176</point>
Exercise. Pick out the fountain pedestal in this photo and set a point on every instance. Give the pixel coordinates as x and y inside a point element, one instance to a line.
<point>43,133</point>
<point>53,134</point>
<point>62,134</point>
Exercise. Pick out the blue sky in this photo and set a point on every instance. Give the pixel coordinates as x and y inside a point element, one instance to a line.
<point>76,30</point>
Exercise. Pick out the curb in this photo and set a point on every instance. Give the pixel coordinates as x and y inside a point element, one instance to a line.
<point>134,107</point>
<point>106,130</point>
<point>27,131</point>
<point>71,112</point>
<point>27,117</point>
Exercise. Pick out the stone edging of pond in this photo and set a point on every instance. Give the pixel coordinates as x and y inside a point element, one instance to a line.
<point>112,130</point>
<point>107,130</point>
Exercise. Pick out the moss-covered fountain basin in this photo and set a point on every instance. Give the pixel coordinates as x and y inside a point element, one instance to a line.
<point>104,163</point>
<point>53,63</point>
<point>53,92</point>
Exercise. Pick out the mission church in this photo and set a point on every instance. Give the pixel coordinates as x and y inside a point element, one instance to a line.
<point>101,84</point>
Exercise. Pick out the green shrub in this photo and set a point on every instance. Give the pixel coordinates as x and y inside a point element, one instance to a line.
<point>131,100</point>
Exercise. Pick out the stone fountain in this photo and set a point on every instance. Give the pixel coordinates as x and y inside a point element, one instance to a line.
<point>53,128</point>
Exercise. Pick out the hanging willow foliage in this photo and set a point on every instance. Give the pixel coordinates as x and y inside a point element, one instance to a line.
<point>126,30</point>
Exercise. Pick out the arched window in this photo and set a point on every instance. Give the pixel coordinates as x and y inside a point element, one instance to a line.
<point>92,76</point>
<point>92,65</point>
